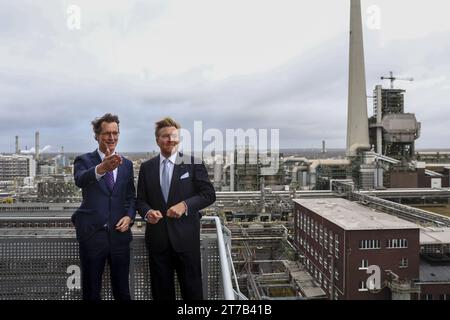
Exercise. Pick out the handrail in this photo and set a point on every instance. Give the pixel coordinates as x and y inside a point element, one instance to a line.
<point>226,274</point>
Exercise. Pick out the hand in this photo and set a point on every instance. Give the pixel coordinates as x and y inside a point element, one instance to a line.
<point>123,224</point>
<point>154,216</point>
<point>110,162</point>
<point>177,210</point>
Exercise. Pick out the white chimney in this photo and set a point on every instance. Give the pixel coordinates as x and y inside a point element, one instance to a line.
<point>357,123</point>
<point>37,146</point>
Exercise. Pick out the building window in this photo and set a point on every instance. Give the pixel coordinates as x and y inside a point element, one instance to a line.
<point>336,296</point>
<point>316,232</point>
<point>320,260</point>
<point>363,286</point>
<point>369,244</point>
<point>404,263</point>
<point>325,263</point>
<point>336,275</point>
<point>364,264</point>
<point>397,243</point>
<point>336,245</point>
<point>427,296</point>
<point>321,235</point>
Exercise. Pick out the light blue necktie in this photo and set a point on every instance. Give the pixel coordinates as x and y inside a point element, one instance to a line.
<point>165,183</point>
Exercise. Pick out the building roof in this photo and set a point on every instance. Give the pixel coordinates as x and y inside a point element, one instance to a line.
<point>434,236</point>
<point>353,216</point>
<point>433,273</point>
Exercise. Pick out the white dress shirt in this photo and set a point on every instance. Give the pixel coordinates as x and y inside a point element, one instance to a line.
<point>170,167</point>
<point>99,176</point>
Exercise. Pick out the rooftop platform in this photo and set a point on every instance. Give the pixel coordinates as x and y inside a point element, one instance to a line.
<point>43,263</point>
<point>434,273</point>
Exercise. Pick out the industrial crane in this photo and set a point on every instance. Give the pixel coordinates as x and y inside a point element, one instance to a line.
<point>392,78</point>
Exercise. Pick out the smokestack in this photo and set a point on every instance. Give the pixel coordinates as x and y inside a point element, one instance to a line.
<point>37,146</point>
<point>17,145</point>
<point>323,147</point>
<point>357,123</point>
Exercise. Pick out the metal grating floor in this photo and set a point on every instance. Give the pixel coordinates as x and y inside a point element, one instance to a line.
<point>38,264</point>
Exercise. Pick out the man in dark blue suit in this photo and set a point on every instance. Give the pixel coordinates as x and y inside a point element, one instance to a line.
<point>108,208</point>
<point>172,188</point>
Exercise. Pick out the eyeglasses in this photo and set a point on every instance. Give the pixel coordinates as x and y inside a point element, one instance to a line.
<point>115,134</point>
<point>167,136</point>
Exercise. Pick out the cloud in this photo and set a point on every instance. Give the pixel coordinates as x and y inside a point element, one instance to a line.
<point>47,148</point>
<point>243,69</point>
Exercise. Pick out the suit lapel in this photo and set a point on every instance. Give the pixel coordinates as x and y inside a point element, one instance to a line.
<point>156,177</point>
<point>177,171</point>
<point>97,160</point>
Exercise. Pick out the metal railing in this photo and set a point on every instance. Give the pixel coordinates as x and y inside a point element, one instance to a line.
<point>43,263</point>
<point>406,212</point>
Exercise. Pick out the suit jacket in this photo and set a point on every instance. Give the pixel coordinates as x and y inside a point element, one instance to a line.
<point>101,207</point>
<point>195,189</point>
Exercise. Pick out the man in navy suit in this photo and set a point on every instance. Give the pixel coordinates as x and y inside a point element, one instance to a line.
<point>108,208</point>
<point>172,188</point>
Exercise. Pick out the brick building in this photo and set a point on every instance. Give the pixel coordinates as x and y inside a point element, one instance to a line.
<point>340,239</point>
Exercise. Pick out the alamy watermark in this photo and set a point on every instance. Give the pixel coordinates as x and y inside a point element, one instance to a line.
<point>373,282</point>
<point>241,146</point>
<point>73,14</point>
<point>373,17</point>
<point>74,279</point>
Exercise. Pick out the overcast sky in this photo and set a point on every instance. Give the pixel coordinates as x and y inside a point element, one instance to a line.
<point>230,63</point>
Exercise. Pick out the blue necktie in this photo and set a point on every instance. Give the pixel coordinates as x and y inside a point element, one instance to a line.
<point>165,183</point>
<point>109,178</point>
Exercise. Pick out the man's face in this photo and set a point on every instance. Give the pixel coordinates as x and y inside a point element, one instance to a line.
<point>168,140</point>
<point>108,137</point>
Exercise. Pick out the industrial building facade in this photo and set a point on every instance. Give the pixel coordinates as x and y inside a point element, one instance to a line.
<point>16,166</point>
<point>340,240</point>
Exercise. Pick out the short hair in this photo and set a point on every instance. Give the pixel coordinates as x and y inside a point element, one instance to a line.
<point>166,122</point>
<point>97,122</point>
